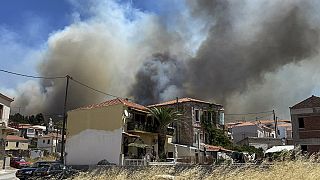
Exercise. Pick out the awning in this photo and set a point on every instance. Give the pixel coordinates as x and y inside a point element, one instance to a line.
<point>280,148</point>
<point>130,135</point>
<point>138,145</point>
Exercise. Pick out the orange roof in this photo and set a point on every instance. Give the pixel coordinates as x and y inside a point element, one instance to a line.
<point>310,102</point>
<point>51,135</point>
<point>6,97</point>
<point>181,100</point>
<point>116,102</point>
<point>245,124</point>
<point>272,121</point>
<point>285,125</point>
<point>15,138</point>
<point>215,148</point>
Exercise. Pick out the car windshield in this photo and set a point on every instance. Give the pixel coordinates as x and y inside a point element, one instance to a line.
<point>43,167</point>
<point>40,164</point>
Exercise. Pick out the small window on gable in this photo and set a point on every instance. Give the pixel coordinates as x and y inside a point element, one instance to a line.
<point>301,122</point>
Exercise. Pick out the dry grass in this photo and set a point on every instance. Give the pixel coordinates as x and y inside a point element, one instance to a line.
<point>300,168</point>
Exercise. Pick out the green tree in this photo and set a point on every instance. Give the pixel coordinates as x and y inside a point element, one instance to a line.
<point>216,136</point>
<point>163,116</point>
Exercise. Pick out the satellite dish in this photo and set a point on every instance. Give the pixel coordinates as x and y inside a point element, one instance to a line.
<point>126,113</point>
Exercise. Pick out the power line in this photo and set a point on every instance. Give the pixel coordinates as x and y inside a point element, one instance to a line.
<point>263,112</point>
<point>30,76</point>
<point>89,87</point>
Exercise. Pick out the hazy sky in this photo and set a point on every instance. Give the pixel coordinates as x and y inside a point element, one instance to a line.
<point>268,51</point>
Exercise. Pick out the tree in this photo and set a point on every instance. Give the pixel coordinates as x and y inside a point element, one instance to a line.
<point>163,116</point>
<point>216,136</point>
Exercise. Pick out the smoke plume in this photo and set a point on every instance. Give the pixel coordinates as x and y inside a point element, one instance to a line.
<point>230,52</point>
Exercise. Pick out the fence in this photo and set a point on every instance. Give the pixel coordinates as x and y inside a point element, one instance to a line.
<point>135,162</point>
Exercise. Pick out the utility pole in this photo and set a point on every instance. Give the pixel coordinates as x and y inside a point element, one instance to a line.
<point>275,124</point>
<point>62,159</point>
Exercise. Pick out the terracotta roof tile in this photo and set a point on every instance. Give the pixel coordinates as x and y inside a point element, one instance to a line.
<point>181,100</point>
<point>310,102</point>
<point>116,102</point>
<point>15,138</point>
<point>245,124</point>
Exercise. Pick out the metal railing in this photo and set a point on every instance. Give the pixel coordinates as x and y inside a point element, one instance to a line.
<point>135,162</point>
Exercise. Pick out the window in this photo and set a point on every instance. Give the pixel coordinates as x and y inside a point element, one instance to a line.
<point>170,154</point>
<point>210,117</point>
<point>195,138</point>
<point>304,148</point>
<point>301,122</point>
<point>17,144</point>
<point>48,141</point>
<point>197,115</point>
<point>1,111</point>
<point>43,141</point>
<point>278,132</point>
<point>6,143</point>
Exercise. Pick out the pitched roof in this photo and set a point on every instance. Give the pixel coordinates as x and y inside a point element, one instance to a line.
<point>116,102</point>
<point>181,100</point>
<point>245,124</point>
<point>311,102</point>
<point>6,97</point>
<point>15,138</point>
<point>51,135</point>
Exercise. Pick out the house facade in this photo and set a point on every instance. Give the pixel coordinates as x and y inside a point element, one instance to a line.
<point>116,130</point>
<point>16,145</point>
<point>190,137</point>
<point>5,103</point>
<point>50,142</point>
<point>305,118</point>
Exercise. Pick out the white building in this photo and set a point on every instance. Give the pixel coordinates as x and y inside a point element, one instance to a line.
<point>247,129</point>
<point>50,142</point>
<point>5,103</point>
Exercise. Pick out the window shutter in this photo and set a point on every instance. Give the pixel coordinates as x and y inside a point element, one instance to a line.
<point>192,113</point>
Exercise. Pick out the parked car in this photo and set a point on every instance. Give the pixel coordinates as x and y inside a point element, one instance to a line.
<point>19,163</point>
<point>27,173</point>
<point>49,170</point>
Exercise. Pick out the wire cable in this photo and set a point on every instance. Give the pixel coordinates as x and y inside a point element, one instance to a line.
<point>89,87</point>
<point>30,76</point>
<point>263,112</point>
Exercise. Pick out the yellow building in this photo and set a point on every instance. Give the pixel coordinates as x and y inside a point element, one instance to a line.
<point>16,143</point>
<point>115,130</point>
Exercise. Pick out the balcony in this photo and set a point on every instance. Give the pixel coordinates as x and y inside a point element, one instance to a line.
<point>132,126</point>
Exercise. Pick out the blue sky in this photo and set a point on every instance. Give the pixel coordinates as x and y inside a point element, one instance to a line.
<point>26,25</point>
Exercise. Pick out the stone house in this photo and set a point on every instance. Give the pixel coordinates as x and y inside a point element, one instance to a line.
<point>305,118</point>
<point>190,137</point>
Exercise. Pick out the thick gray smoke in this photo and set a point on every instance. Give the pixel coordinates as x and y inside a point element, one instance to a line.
<point>227,62</point>
<point>240,50</point>
<point>230,52</point>
<point>158,79</point>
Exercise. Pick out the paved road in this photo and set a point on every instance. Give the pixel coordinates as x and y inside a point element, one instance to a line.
<point>8,174</point>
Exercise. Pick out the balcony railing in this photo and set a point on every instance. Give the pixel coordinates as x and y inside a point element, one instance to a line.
<point>132,126</point>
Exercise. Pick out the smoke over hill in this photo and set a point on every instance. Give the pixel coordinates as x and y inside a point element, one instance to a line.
<point>231,52</point>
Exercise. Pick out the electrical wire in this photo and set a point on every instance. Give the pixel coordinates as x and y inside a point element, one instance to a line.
<point>30,76</point>
<point>263,112</point>
<point>94,89</point>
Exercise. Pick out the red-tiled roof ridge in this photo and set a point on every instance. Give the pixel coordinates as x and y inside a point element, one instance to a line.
<point>313,101</point>
<point>6,97</point>
<point>15,138</point>
<point>180,100</point>
<point>115,102</point>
